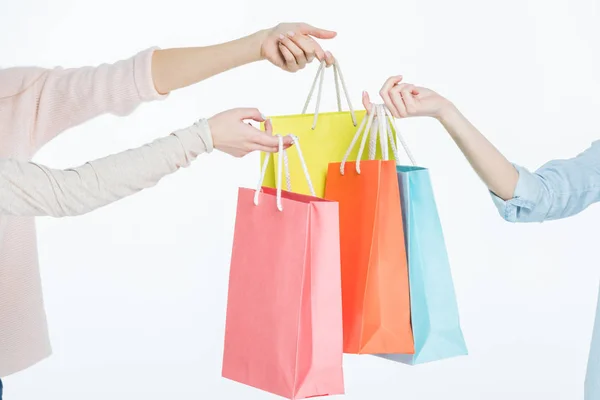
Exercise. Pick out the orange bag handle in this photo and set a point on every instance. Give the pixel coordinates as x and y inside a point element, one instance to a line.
<point>380,121</point>
<point>370,127</point>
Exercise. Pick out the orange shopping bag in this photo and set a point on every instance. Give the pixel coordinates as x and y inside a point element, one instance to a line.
<point>283,329</point>
<point>375,288</point>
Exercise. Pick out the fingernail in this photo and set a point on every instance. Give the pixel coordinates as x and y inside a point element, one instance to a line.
<point>263,116</point>
<point>281,37</point>
<point>290,33</point>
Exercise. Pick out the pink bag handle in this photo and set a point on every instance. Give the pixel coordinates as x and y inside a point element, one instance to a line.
<point>283,159</point>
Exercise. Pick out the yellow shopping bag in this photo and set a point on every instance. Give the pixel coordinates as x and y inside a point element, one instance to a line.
<point>325,137</point>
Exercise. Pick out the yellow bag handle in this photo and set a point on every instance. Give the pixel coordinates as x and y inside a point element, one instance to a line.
<point>339,78</point>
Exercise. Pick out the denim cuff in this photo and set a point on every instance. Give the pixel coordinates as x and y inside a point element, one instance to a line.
<point>526,195</point>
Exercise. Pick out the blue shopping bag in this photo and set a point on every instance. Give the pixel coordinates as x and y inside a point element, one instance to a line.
<point>434,309</point>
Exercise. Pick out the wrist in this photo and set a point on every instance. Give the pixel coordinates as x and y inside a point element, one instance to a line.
<point>196,138</point>
<point>254,44</point>
<point>454,122</point>
<point>204,131</point>
<point>447,112</point>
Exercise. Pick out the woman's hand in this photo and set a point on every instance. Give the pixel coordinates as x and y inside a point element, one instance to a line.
<point>232,135</point>
<point>406,100</point>
<point>291,46</point>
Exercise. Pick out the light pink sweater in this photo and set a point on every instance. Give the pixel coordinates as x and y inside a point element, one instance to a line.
<point>36,105</point>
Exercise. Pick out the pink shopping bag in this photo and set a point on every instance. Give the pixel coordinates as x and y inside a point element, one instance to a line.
<point>284,309</point>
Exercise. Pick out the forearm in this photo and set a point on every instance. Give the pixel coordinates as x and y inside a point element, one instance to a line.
<point>29,189</point>
<point>558,189</point>
<point>493,168</point>
<point>177,68</point>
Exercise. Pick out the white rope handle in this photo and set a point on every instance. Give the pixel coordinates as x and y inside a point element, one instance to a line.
<point>373,138</point>
<point>377,125</point>
<point>375,131</point>
<point>399,137</point>
<point>336,78</point>
<point>386,133</point>
<point>391,138</point>
<point>318,76</point>
<point>286,168</point>
<point>282,155</point>
<point>338,69</point>
<point>365,126</point>
<point>283,162</point>
<point>296,142</point>
<point>339,79</point>
<point>383,137</point>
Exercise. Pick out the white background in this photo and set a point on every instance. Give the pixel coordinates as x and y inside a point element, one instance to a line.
<point>136,292</point>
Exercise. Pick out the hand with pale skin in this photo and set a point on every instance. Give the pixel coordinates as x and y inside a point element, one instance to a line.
<point>291,46</point>
<point>232,135</point>
<point>406,100</point>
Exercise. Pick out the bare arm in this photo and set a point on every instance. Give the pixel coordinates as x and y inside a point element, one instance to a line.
<point>406,100</point>
<point>493,168</point>
<point>288,46</point>
<point>63,98</point>
<point>558,189</point>
<point>177,68</point>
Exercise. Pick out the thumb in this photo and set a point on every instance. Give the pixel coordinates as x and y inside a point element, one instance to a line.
<point>307,29</point>
<point>268,127</point>
<point>367,102</point>
<point>250,113</point>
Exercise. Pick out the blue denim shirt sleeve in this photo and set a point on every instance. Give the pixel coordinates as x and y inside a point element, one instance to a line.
<point>559,189</point>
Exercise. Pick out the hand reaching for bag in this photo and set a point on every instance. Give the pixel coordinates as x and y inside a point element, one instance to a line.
<point>406,100</point>
<point>232,135</point>
<point>291,46</point>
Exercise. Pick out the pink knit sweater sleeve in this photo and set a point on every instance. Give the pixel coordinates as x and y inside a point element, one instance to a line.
<point>68,97</point>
